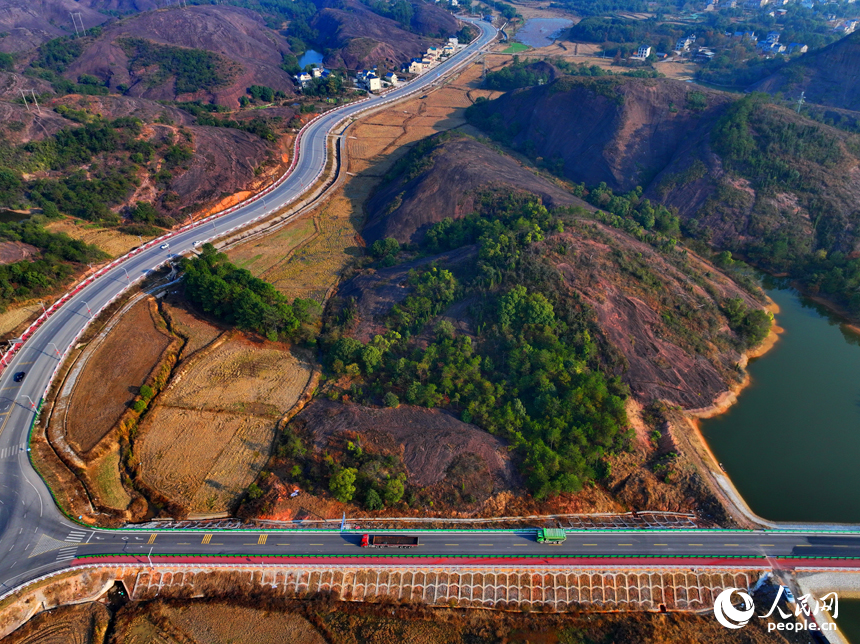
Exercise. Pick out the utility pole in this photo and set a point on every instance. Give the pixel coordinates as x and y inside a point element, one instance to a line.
<point>56,348</point>
<point>88,310</point>
<point>801,101</point>
<point>23,96</point>
<point>38,109</point>
<point>76,18</point>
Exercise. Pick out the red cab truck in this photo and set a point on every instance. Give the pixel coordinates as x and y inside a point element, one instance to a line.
<point>388,541</point>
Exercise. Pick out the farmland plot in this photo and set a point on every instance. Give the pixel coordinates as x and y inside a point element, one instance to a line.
<point>211,430</point>
<point>119,364</point>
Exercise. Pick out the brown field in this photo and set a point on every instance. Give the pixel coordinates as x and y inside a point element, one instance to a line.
<point>112,375</point>
<point>211,430</point>
<point>306,258</point>
<point>227,624</point>
<point>16,315</point>
<point>83,624</point>
<point>197,333</point>
<point>113,242</point>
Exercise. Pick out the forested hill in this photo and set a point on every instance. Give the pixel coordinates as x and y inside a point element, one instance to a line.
<point>828,76</point>
<point>744,174</point>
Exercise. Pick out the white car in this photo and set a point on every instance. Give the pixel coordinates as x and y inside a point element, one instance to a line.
<point>164,246</point>
<point>196,244</point>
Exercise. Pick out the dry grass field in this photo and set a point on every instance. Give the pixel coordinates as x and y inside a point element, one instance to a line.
<point>113,242</point>
<point>105,477</point>
<point>221,624</point>
<point>196,332</point>
<point>112,375</point>
<point>306,258</point>
<point>83,624</point>
<point>211,430</point>
<point>17,315</point>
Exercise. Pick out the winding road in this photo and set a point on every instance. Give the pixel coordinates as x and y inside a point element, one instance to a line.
<point>35,538</point>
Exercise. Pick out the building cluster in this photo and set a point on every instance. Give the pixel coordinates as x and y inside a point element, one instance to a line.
<point>432,57</point>
<point>303,78</point>
<point>370,80</point>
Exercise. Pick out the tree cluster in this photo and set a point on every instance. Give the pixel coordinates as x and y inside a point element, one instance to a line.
<point>235,296</point>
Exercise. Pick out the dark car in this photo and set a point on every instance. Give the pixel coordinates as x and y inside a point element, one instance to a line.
<point>20,376</point>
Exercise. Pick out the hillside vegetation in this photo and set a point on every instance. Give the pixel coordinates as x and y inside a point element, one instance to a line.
<point>743,174</point>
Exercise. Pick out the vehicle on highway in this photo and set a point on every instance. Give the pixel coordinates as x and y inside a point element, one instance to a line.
<point>19,376</point>
<point>195,244</point>
<point>164,246</point>
<point>789,596</point>
<point>388,541</point>
<point>552,536</point>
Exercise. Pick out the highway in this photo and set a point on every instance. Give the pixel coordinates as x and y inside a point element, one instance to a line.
<point>35,538</point>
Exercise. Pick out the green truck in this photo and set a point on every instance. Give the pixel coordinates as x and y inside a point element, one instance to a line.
<point>552,536</point>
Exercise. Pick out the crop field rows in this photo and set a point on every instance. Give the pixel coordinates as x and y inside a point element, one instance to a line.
<point>559,587</point>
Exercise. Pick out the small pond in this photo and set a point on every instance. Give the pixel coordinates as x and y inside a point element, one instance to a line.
<point>540,32</point>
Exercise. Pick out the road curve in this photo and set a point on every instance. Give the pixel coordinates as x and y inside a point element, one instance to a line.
<point>35,538</point>
<point>27,510</point>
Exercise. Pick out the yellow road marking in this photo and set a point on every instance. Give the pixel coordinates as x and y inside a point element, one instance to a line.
<point>737,545</point>
<point>152,538</point>
<point>694,544</point>
<point>589,544</point>
<point>661,544</point>
<point>282,544</point>
<point>767,545</point>
<point>486,545</point>
<point>625,544</point>
<point>844,546</point>
<point>206,539</point>
<point>452,544</point>
<point>804,545</point>
<point>315,544</point>
<point>183,544</point>
<point>520,545</point>
<point>262,540</point>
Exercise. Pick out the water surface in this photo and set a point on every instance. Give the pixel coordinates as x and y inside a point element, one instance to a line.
<point>791,444</point>
<point>540,32</point>
<point>311,57</point>
<point>849,619</point>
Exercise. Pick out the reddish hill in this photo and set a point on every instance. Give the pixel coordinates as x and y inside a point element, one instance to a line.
<point>830,76</point>
<point>361,38</point>
<point>28,24</point>
<point>250,52</point>
<point>606,129</point>
<point>443,177</point>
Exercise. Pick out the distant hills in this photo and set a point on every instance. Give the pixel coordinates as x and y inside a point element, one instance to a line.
<point>829,76</point>
<point>246,53</point>
<point>743,174</point>
<point>357,37</point>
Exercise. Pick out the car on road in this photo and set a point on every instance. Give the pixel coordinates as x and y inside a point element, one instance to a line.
<point>19,376</point>
<point>195,244</point>
<point>789,596</point>
<point>164,246</point>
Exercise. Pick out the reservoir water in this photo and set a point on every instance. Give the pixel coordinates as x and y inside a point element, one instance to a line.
<point>311,57</point>
<point>849,619</point>
<point>791,443</point>
<point>540,32</point>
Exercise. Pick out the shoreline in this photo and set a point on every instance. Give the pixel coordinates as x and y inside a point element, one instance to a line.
<point>720,483</point>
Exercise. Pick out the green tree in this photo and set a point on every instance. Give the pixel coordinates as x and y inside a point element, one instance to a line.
<point>342,484</point>
<point>254,492</point>
<point>391,400</point>
<point>393,491</point>
<point>372,501</point>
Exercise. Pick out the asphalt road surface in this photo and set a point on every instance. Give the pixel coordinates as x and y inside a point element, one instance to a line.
<point>35,538</point>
